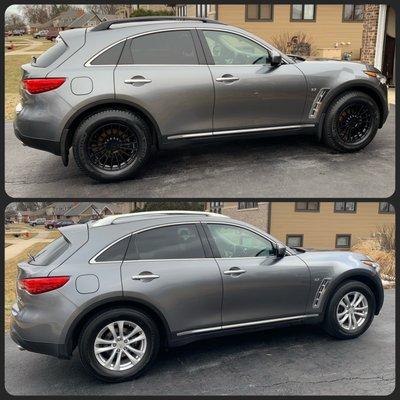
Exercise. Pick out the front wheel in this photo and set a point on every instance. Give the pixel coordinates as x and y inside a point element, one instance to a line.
<point>112,145</point>
<point>119,344</point>
<point>350,310</point>
<point>351,122</point>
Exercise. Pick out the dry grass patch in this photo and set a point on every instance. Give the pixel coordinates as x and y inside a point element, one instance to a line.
<point>385,258</point>
<point>55,234</point>
<point>10,276</point>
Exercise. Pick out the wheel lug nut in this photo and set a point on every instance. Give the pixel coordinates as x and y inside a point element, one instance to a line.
<point>125,341</point>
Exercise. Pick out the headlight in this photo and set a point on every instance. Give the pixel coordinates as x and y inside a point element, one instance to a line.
<point>381,78</point>
<point>372,264</point>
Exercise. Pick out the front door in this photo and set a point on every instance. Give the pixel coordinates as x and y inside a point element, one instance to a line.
<point>165,75</point>
<point>257,284</point>
<point>249,92</point>
<point>168,268</point>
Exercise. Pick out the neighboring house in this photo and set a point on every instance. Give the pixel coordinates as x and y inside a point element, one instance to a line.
<point>63,20</point>
<point>57,210</point>
<point>89,20</point>
<point>318,225</point>
<point>88,211</point>
<point>197,10</point>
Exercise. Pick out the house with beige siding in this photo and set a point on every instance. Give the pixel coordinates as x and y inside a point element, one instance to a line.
<point>313,224</point>
<point>366,31</point>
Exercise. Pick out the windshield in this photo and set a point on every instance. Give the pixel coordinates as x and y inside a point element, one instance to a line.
<point>51,252</point>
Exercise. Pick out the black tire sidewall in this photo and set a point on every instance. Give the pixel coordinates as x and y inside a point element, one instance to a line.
<point>98,119</point>
<point>331,323</point>
<point>92,328</point>
<point>331,136</point>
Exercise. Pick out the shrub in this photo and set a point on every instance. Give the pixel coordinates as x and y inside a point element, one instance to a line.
<point>298,43</point>
<point>141,12</point>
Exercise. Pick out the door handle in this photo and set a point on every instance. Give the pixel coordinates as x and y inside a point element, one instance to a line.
<point>227,78</point>
<point>236,271</point>
<point>143,276</point>
<point>134,80</point>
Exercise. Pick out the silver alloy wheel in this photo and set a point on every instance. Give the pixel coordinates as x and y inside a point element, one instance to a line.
<point>352,311</point>
<point>120,345</point>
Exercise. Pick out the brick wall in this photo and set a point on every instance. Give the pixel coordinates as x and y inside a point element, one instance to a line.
<point>370,29</point>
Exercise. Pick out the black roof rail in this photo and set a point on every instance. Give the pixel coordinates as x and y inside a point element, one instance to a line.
<point>103,26</point>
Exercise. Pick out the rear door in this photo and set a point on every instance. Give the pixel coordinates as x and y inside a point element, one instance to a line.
<point>170,268</point>
<point>166,74</point>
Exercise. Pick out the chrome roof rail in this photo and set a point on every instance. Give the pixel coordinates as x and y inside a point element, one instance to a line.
<point>113,219</point>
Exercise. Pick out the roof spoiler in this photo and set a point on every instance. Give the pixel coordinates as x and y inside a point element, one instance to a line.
<point>103,26</point>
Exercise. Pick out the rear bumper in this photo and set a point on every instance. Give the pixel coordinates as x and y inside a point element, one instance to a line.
<point>37,143</point>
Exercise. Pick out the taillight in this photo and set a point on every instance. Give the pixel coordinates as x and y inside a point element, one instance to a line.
<point>40,85</point>
<point>42,285</point>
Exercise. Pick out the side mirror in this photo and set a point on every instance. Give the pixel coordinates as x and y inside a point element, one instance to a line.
<point>276,59</point>
<point>280,250</point>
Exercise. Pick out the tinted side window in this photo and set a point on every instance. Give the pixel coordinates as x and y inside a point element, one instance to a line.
<point>174,47</point>
<point>231,49</point>
<point>169,242</point>
<point>233,241</point>
<point>51,55</point>
<point>116,252</point>
<point>110,56</point>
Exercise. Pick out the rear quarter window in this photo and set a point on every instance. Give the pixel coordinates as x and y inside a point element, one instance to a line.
<point>109,56</point>
<point>50,55</point>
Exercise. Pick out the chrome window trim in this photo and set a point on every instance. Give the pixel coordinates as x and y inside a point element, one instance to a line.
<point>244,324</point>
<point>93,259</point>
<point>268,48</point>
<point>235,131</point>
<point>88,63</point>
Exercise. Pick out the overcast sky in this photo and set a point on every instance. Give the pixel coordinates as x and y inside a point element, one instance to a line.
<point>13,9</point>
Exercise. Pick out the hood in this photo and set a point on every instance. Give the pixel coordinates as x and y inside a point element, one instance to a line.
<point>319,258</point>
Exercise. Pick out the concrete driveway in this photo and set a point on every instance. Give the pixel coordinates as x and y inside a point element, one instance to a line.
<point>285,167</point>
<point>290,361</point>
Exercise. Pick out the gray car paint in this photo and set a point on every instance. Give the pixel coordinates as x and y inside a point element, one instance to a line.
<point>190,294</point>
<point>184,100</point>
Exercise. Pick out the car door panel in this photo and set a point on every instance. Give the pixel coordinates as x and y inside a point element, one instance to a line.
<point>270,288</point>
<point>263,96</point>
<point>188,292</point>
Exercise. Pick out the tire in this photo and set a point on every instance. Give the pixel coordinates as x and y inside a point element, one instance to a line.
<point>331,322</point>
<point>332,133</point>
<point>97,324</point>
<point>137,131</point>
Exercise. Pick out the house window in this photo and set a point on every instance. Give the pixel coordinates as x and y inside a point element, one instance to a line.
<point>312,206</point>
<point>302,12</point>
<point>181,11</point>
<point>259,12</point>
<point>353,12</point>
<point>242,205</point>
<point>345,206</point>
<point>343,241</point>
<point>216,206</point>
<point>385,208</point>
<point>202,10</point>
<point>294,240</point>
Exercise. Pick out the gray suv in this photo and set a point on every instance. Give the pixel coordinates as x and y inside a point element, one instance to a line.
<point>121,287</point>
<point>116,91</point>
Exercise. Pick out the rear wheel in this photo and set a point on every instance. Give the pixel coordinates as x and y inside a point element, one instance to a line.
<point>351,122</point>
<point>112,145</point>
<point>350,310</point>
<point>118,345</point>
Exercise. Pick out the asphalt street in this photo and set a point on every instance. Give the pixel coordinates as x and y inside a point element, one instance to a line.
<point>284,167</point>
<point>290,361</point>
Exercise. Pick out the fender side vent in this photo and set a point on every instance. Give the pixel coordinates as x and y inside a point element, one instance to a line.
<point>320,292</point>
<point>317,102</point>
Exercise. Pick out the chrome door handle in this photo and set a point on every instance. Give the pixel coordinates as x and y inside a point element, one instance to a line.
<point>234,271</point>
<point>137,80</point>
<point>224,78</point>
<point>144,276</point>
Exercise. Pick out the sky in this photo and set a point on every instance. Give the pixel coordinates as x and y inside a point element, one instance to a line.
<point>13,9</point>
